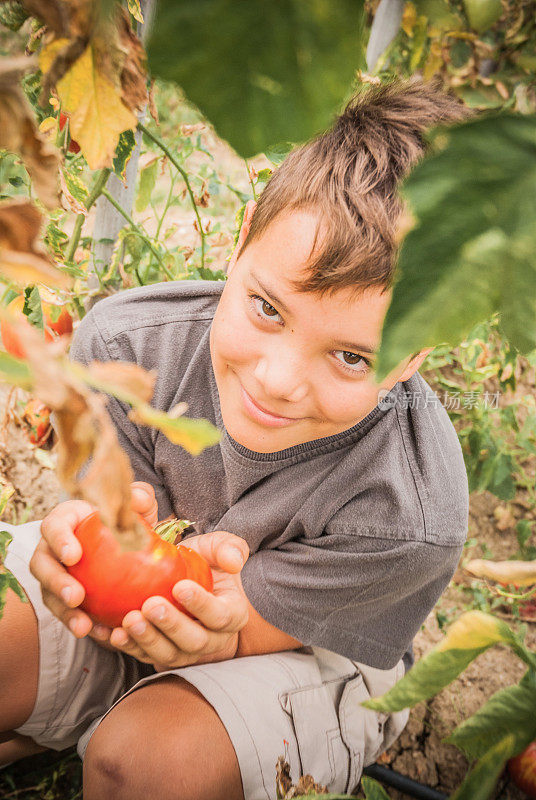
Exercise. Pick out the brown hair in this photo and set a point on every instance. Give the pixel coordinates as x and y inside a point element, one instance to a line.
<point>351,173</point>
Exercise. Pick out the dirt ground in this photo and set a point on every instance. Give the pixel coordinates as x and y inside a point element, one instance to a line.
<point>420,752</point>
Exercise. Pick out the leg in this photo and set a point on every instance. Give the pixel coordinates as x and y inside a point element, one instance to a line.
<point>18,747</point>
<point>162,742</point>
<point>19,662</point>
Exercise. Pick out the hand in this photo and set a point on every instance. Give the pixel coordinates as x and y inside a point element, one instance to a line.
<point>162,635</point>
<point>61,592</point>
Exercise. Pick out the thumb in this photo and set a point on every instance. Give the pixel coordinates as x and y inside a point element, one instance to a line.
<point>144,501</point>
<point>222,550</point>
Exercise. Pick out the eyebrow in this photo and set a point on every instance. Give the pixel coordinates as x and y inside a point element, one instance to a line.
<point>344,345</point>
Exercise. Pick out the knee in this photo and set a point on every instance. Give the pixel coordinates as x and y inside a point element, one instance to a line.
<point>105,771</point>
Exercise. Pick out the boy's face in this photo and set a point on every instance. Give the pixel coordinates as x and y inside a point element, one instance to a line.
<point>293,366</point>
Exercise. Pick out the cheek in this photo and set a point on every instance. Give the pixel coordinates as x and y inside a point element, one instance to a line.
<point>347,402</point>
<point>235,338</point>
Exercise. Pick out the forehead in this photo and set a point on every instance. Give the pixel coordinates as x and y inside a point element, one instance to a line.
<point>281,255</point>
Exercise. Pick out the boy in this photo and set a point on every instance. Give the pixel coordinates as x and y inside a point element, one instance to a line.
<point>332,521</point>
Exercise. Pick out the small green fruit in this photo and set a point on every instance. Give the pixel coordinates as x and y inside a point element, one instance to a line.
<point>482,14</point>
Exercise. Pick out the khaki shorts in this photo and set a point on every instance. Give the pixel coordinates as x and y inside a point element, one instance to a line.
<point>304,704</point>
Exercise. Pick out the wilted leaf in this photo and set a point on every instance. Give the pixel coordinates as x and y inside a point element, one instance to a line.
<point>192,434</point>
<point>123,151</point>
<point>469,636</point>
<point>97,114</point>
<point>6,493</point>
<point>135,10</point>
<point>508,712</point>
<point>287,66</point>
<point>19,134</point>
<point>21,258</point>
<point>522,573</point>
<point>481,781</point>
<point>130,379</point>
<point>32,308</point>
<point>75,205</point>
<point>471,252</point>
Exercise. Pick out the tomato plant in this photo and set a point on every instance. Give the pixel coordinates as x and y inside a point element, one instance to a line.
<point>57,321</point>
<point>117,581</point>
<point>37,415</point>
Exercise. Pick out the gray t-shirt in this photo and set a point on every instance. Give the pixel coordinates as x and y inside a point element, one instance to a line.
<point>353,537</point>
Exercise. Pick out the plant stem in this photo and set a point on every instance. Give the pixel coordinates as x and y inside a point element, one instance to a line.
<point>141,233</point>
<point>185,178</point>
<point>250,180</point>
<point>97,190</point>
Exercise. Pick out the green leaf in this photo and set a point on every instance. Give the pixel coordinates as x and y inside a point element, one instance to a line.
<point>277,153</point>
<point>123,151</point>
<point>482,779</point>
<point>469,636</point>
<point>32,307</point>
<point>471,251</point>
<point>6,493</point>
<point>373,790</point>
<point>146,185</point>
<point>15,371</point>
<point>5,540</point>
<point>508,712</point>
<point>8,581</point>
<point>262,72</point>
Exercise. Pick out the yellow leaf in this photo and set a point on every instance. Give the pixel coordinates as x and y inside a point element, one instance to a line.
<point>409,18</point>
<point>97,114</point>
<point>521,573</point>
<point>192,434</point>
<point>135,10</point>
<point>471,631</point>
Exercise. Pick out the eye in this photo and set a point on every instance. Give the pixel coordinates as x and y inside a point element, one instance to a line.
<point>353,362</point>
<point>262,307</point>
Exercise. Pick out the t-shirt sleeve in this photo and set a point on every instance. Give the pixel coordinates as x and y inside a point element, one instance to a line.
<point>360,595</point>
<point>89,345</point>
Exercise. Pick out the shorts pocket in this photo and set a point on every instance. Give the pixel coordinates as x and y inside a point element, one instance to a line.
<point>322,752</point>
<point>362,729</point>
<point>71,705</point>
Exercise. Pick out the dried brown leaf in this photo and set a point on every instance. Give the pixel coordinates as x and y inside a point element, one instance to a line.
<point>19,133</point>
<point>521,573</point>
<point>133,74</point>
<point>21,257</point>
<point>125,375</point>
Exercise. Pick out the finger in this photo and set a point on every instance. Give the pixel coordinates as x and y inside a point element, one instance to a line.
<point>144,501</point>
<point>78,623</point>
<point>222,550</point>
<point>175,635</point>
<point>100,633</point>
<point>58,526</point>
<point>54,578</point>
<point>217,613</point>
<point>123,641</point>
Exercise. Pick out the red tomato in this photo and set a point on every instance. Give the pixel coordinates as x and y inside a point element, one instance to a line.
<point>37,415</point>
<point>118,582</point>
<point>522,770</point>
<point>74,147</point>
<point>57,321</point>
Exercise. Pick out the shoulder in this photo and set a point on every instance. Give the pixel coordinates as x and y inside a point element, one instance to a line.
<point>409,480</point>
<point>140,324</point>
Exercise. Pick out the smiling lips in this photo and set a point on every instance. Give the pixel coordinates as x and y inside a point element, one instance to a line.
<point>260,415</point>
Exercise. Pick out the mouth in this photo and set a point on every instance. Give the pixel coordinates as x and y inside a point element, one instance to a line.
<point>262,415</point>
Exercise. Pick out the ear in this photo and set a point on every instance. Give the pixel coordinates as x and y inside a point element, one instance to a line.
<point>251,205</point>
<point>414,363</point>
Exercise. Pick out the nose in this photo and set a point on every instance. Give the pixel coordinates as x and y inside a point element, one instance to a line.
<point>281,374</point>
